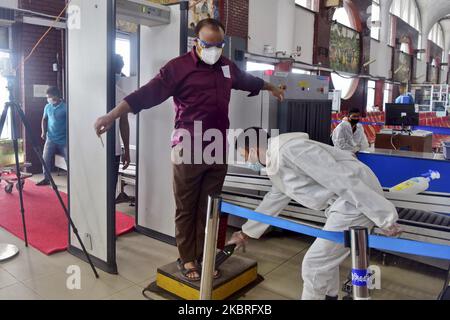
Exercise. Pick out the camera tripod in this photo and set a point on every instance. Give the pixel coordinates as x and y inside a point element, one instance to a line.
<point>16,112</point>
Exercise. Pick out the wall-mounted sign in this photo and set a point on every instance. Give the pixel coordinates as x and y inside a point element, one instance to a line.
<point>40,90</point>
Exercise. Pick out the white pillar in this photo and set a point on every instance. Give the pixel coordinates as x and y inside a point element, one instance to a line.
<point>385,21</point>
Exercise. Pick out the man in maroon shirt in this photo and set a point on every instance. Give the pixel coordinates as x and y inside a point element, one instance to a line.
<point>200,83</point>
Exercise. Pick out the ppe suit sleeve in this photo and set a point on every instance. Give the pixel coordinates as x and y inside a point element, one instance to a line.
<point>273,203</point>
<point>363,142</point>
<point>344,182</point>
<point>342,139</point>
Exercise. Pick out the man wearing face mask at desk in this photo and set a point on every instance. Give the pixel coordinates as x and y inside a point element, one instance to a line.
<point>349,134</point>
<point>200,83</point>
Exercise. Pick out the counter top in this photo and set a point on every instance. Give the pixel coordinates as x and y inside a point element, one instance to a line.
<point>407,154</point>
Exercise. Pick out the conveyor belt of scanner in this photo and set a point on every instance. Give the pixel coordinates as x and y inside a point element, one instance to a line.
<point>431,219</point>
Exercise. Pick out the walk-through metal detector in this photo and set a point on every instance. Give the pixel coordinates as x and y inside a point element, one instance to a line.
<point>91,94</point>
<point>155,204</point>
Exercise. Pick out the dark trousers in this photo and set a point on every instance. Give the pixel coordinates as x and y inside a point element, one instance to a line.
<point>192,183</point>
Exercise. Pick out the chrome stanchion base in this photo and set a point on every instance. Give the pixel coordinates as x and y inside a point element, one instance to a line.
<point>7,251</point>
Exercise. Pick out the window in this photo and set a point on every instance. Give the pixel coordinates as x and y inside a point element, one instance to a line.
<point>437,35</point>
<point>123,47</point>
<point>255,66</point>
<point>419,55</point>
<point>376,26</point>
<point>4,38</point>
<point>370,95</point>
<point>341,16</point>
<point>388,92</point>
<point>407,11</point>
<point>309,4</point>
<point>346,85</point>
<point>300,71</point>
<point>404,47</point>
<point>4,94</point>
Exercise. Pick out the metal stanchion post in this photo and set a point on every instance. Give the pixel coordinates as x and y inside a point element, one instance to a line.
<point>209,249</point>
<point>359,246</point>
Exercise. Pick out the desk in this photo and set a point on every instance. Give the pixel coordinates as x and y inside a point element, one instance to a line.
<point>392,167</point>
<point>404,142</point>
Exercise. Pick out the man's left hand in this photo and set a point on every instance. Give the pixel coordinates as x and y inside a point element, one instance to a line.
<point>126,160</point>
<point>393,231</point>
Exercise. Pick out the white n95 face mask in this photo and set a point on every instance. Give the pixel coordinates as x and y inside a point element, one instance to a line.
<point>211,55</point>
<point>49,101</point>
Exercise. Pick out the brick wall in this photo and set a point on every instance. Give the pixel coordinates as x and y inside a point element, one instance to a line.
<point>39,68</point>
<point>234,15</point>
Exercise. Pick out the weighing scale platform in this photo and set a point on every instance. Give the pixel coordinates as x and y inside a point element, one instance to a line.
<point>237,273</point>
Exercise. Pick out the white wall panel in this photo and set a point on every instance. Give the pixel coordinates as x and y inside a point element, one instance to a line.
<point>304,34</point>
<point>444,73</point>
<point>421,72</point>
<point>282,25</point>
<point>383,55</point>
<point>87,97</point>
<point>156,206</point>
<point>262,26</point>
<point>12,4</point>
<point>285,25</point>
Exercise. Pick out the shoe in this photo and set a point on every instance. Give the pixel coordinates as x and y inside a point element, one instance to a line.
<point>44,182</point>
<point>331,298</point>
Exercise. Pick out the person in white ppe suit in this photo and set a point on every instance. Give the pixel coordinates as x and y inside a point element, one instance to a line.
<point>318,177</point>
<point>349,134</point>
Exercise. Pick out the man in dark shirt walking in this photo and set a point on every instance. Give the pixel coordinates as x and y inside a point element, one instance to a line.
<point>200,83</point>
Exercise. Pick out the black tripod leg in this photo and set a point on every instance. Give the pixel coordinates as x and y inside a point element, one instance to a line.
<point>18,174</point>
<point>38,152</point>
<point>3,116</point>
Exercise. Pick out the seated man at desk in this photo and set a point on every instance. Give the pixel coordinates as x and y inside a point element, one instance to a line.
<point>318,177</point>
<point>349,134</point>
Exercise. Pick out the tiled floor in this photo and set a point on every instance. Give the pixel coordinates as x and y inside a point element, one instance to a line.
<point>32,275</point>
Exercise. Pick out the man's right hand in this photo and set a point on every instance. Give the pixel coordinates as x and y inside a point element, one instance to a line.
<point>103,124</point>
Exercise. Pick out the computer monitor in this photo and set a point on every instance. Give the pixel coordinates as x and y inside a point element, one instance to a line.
<point>401,115</point>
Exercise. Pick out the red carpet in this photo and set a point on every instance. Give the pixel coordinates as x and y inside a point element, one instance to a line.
<point>47,225</point>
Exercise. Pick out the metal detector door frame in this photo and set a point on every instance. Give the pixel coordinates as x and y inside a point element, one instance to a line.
<point>155,204</point>
<point>91,93</point>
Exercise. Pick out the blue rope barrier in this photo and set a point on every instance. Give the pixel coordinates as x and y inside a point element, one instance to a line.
<point>337,237</point>
<point>430,250</point>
